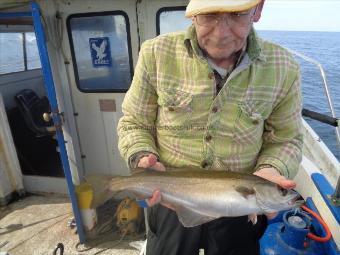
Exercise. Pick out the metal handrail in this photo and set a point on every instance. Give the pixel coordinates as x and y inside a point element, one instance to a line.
<point>336,196</point>
<point>323,75</point>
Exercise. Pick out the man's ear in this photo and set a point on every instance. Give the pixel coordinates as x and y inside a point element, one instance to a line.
<point>258,12</point>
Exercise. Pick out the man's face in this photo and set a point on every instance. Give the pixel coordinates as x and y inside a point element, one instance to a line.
<point>223,34</point>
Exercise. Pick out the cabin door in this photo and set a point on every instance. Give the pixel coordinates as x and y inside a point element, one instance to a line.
<point>104,48</point>
<point>104,45</point>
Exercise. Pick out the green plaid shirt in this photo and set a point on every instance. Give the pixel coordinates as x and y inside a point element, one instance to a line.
<point>172,108</point>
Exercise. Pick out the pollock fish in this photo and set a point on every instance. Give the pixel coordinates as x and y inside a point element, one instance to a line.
<point>199,196</point>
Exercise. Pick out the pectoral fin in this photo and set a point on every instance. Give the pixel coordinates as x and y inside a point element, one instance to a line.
<point>253,218</point>
<point>190,218</point>
<point>245,191</point>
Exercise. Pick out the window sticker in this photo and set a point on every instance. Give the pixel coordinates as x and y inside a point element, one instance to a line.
<point>100,52</point>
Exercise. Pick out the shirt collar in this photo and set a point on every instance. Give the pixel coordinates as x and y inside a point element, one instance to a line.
<point>222,71</point>
<point>253,49</point>
<point>190,42</point>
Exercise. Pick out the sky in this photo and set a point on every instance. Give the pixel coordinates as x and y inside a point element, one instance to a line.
<point>300,15</point>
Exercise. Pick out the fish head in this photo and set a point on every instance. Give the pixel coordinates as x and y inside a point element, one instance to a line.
<point>272,198</point>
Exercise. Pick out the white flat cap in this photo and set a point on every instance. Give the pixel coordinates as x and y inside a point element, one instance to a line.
<point>209,6</point>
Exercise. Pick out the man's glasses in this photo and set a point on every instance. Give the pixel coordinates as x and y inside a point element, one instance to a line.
<point>240,19</point>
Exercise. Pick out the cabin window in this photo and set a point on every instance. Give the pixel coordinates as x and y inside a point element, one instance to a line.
<point>171,19</point>
<point>32,52</point>
<point>18,52</point>
<point>101,51</point>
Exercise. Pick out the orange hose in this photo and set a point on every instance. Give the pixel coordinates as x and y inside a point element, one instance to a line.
<point>325,227</point>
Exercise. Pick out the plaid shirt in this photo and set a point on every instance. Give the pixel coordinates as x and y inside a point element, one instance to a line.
<point>173,110</point>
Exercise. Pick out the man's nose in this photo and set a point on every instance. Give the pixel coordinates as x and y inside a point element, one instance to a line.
<point>223,26</point>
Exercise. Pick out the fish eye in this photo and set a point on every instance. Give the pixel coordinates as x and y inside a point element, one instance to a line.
<point>283,191</point>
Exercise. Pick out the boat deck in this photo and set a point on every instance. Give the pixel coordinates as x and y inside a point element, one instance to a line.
<point>36,224</point>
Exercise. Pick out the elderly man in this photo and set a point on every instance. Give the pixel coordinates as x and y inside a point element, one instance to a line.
<point>219,98</point>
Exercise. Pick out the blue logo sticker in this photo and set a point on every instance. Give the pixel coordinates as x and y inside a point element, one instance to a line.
<point>100,51</point>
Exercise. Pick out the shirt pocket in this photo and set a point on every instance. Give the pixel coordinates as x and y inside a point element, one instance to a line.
<point>227,117</point>
<point>175,108</point>
<point>249,125</point>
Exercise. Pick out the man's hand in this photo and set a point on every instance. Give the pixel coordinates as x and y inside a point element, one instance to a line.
<point>151,162</point>
<point>271,174</point>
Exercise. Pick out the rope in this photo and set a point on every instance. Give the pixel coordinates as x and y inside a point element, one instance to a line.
<point>42,230</point>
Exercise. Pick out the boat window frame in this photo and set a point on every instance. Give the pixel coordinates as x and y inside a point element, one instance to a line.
<point>74,62</point>
<point>165,9</point>
<point>24,48</point>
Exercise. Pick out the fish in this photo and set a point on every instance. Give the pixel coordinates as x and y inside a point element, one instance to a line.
<point>199,196</point>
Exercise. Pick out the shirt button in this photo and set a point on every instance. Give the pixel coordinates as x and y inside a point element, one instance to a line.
<point>211,75</point>
<point>214,109</point>
<point>171,109</point>
<point>208,138</point>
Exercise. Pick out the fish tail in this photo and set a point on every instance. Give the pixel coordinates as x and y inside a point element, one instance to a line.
<point>104,188</point>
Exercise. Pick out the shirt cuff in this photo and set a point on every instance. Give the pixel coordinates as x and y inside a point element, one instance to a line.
<point>275,163</point>
<point>266,166</point>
